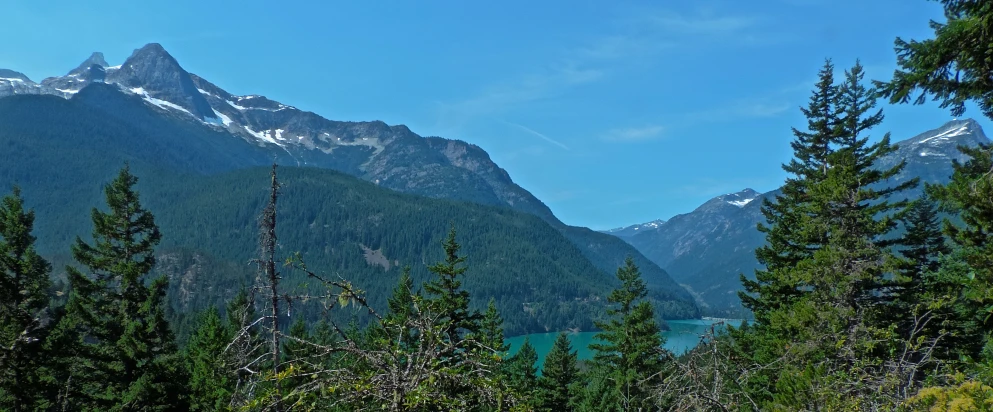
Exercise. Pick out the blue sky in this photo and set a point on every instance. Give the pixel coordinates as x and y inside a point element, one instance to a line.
<point>612,112</point>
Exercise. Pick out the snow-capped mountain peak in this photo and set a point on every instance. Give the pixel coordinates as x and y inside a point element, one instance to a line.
<point>741,198</point>
<point>943,140</point>
<point>737,199</point>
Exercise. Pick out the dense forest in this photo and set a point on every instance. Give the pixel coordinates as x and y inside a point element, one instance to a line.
<point>206,208</point>
<point>849,314</point>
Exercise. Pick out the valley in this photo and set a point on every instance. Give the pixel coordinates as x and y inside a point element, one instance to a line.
<point>333,207</point>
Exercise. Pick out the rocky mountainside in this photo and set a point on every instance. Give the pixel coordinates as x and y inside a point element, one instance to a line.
<point>230,131</point>
<point>707,249</point>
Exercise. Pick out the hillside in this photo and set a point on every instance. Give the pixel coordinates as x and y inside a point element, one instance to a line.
<point>62,151</point>
<point>253,130</point>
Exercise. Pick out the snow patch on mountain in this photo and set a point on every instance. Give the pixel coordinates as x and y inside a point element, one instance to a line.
<point>224,119</point>
<point>741,203</point>
<point>944,136</point>
<point>162,104</point>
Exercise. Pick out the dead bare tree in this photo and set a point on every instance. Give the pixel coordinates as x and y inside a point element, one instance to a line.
<point>412,364</point>
<point>249,353</point>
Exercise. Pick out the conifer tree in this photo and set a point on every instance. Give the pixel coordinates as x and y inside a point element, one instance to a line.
<point>491,330</point>
<point>559,376</point>
<point>24,281</point>
<point>632,350</point>
<point>522,373</point>
<point>969,194</point>
<point>838,328</point>
<point>125,346</point>
<point>211,381</point>
<point>789,234</point>
<point>923,245</point>
<point>446,294</point>
<point>598,392</point>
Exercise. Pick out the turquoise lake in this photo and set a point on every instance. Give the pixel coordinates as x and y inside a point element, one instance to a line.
<point>683,336</point>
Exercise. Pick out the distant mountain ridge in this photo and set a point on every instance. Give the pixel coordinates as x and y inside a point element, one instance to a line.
<point>706,250</point>
<point>391,156</point>
<point>228,132</point>
<point>632,230</point>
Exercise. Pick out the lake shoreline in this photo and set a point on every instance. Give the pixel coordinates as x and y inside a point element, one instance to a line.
<point>684,334</point>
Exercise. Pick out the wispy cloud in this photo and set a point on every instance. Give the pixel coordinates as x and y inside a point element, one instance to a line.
<point>742,109</point>
<point>702,23</point>
<point>537,134</point>
<point>634,134</point>
<point>501,97</point>
<point>640,36</point>
<point>619,46</point>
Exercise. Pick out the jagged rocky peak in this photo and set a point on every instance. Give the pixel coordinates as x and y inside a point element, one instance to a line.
<point>96,59</point>
<point>154,74</point>
<point>93,69</point>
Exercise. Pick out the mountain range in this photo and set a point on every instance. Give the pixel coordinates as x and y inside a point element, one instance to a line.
<point>707,249</point>
<point>65,136</point>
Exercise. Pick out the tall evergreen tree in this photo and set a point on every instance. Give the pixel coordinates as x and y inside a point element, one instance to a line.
<point>446,294</point>
<point>632,350</point>
<point>830,321</point>
<point>24,281</point>
<point>790,236</point>
<point>522,373</point>
<point>923,245</point>
<point>210,378</point>
<point>559,376</point>
<point>125,347</point>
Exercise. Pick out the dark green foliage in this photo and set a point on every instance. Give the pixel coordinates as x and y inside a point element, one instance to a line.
<point>632,352</point>
<point>923,241</point>
<point>24,284</point>
<point>445,293</point>
<point>969,195</point>
<point>211,380</point>
<point>923,246</point>
<point>491,330</point>
<point>559,376</point>
<point>598,392</point>
<point>789,236</point>
<point>124,353</point>
<point>73,145</point>
<point>832,317</point>
<point>954,66</point>
<point>522,373</point>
